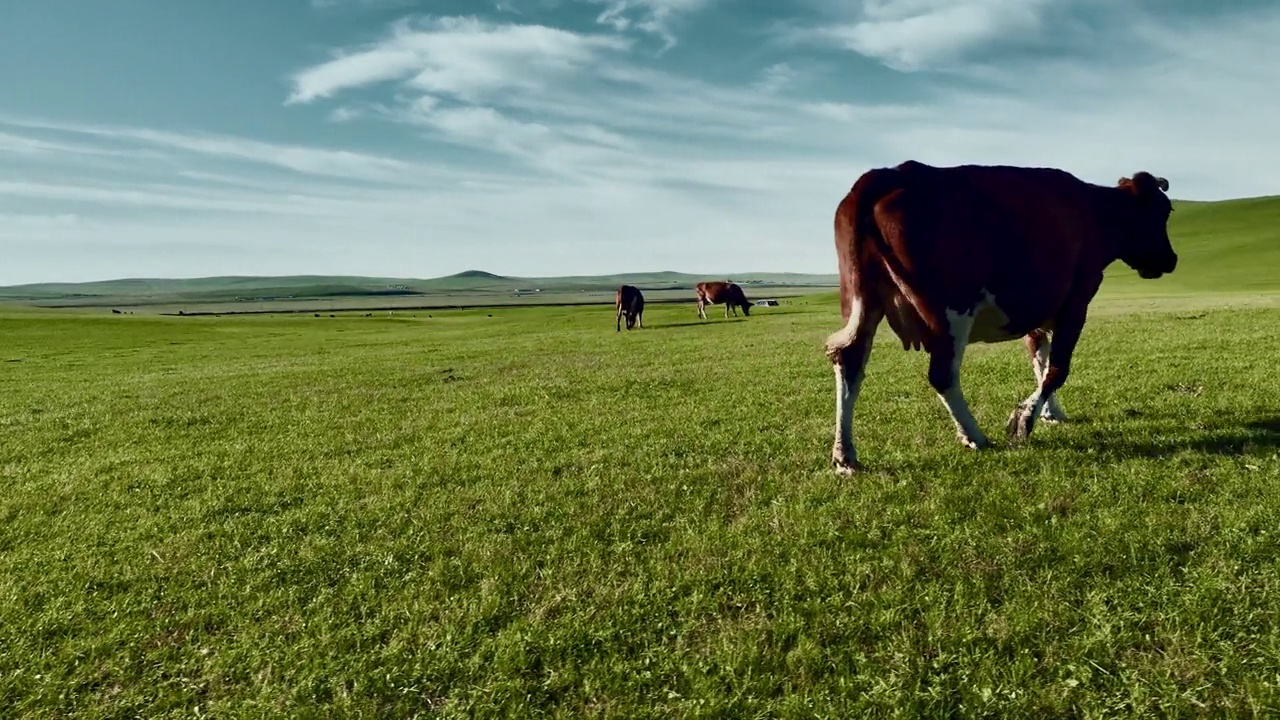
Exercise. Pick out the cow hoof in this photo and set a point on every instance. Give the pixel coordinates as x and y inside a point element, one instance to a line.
<point>1020,423</point>
<point>845,465</point>
<point>1050,416</point>
<point>979,442</point>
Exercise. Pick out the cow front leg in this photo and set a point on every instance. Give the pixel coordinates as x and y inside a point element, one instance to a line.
<point>1038,343</point>
<point>618,324</point>
<point>1065,336</point>
<point>945,357</point>
<point>849,349</point>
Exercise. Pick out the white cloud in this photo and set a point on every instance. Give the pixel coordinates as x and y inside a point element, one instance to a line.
<point>331,4</point>
<point>171,198</point>
<point>462,57</point>
<point>29,220</point>
<point>776,77</point>
<point>916,34</point>
<point>346,114</point>
<point>24,145</point>
<point>611,152</point>
<point>354,70</point>
<point>655,17</point>
<point>298,158</point>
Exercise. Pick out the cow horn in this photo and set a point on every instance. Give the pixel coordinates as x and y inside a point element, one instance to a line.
<point>1162,184</point>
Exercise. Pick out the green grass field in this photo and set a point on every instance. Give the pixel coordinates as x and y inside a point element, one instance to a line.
<point>518,512</point>
<point>530,515</point>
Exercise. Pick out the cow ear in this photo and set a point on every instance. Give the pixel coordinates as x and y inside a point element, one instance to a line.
<point>1144,183</point>
<point>1150,183</point>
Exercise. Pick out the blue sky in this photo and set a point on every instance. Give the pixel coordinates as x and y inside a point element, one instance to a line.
<point>417,138</point>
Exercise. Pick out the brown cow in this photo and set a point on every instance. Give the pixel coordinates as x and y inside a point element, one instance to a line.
<point>629,301</point>
<point>722,291</point>
<point>958,255</point>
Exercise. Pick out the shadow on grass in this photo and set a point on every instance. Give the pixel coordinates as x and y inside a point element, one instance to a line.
<point>1257,436</point>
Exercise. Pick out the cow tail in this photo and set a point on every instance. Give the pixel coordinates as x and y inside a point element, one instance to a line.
<point>855,225</point>
<point>870,189</point>
<point>881,183</point>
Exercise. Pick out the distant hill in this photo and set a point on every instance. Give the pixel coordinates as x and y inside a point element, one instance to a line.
<point>476,283</point>
<point>1231,245</point>
<point>477,275</point>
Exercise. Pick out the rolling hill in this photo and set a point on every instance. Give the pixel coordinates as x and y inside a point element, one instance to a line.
<point>475,284</point>
<point>1224,246</point>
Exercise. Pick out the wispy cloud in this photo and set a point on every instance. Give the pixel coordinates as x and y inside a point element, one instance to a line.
<point>614,119</point>
<point>459,142</point>
<point>30,220</point>
<point>298,158</point>
<point>464,57</point>
<point>26,145</point>
<point>655,17</point>
<point>776,77</point>
<point>912,35</point>
<point>332,4</point>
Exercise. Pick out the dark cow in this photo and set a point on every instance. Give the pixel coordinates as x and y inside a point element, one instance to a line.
<point>721,291</point>
<point>629,301</point>
<point>958,255</point>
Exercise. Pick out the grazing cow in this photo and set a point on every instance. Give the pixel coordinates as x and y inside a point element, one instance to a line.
<point>629,301</point>
<point>958,255</point>
<point>718,291</point>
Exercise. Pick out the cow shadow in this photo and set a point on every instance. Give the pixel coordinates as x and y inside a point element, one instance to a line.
<point>1249,438</point>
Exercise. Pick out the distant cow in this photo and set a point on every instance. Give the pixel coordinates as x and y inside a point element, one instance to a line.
<point>719,291</point>
<point>958,255</point>
<point>629,301</point>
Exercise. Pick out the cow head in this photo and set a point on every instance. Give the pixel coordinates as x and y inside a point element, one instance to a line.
<point>1144,245</point>
<point>746,306</point>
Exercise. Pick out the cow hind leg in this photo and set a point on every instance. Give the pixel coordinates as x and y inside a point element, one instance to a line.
<point>849,349</point>
<point>946,354</point>
<point>1038,344</point>
<point>1022,420</point>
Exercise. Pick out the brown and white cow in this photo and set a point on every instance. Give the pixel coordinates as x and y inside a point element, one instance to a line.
<point>629,301</point>
<point>959,255</point>
<point>722,291</point>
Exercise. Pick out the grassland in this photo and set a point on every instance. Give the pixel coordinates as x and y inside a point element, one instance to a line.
<point>522,513</point>
<point>517,512</point>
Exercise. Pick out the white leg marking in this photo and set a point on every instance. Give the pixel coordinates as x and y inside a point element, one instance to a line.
<point>966,426</point>
<point>1052,411</point>
<point>844,454</point>
<point>1022,420</point>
